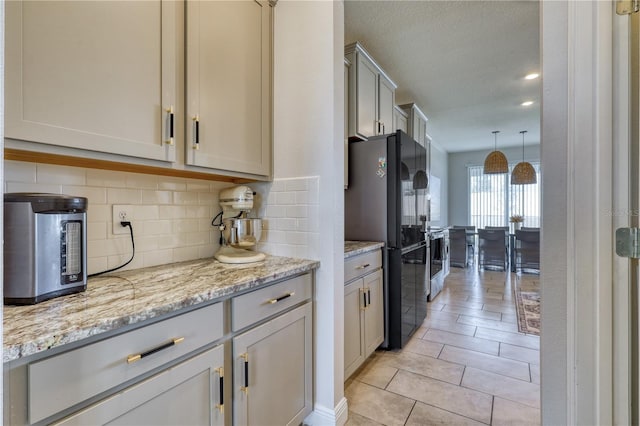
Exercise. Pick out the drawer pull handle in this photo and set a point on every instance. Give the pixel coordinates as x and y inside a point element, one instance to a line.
<point>245,388</point>
<point>220,405</point>
<point>138,357</point>
<point>286,296</point>
<point>366,265</point>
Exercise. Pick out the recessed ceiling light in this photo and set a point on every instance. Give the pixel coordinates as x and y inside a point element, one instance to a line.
<point>527,103</point>
<point>532,76</point>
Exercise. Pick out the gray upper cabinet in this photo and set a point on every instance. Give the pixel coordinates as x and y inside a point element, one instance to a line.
<point>400,119</point>
<point>228,86</point>
<point>417,123</point>
<point>371,96</point>
<point>97,76</point>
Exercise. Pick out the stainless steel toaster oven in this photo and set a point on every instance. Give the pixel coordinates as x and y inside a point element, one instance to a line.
<point>45,244</point>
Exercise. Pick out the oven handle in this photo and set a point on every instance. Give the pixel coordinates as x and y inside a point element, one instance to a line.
<point>414,247</point>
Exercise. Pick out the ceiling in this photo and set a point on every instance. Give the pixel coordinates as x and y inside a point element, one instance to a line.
<point>462,62</point>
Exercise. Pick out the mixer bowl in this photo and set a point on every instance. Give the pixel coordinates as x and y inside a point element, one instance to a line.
<point>242,233</point>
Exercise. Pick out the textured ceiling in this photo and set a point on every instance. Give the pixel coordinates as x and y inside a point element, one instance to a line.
<point>462,62</point>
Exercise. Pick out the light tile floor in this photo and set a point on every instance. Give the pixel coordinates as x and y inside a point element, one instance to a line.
<point>466,365</point>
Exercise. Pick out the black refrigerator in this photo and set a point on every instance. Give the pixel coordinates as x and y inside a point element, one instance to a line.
<point>388,200</point>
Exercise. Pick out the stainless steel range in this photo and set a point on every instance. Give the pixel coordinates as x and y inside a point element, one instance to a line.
<point>439,261</point>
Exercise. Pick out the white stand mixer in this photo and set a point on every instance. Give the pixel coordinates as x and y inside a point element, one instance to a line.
<point>239,233</point>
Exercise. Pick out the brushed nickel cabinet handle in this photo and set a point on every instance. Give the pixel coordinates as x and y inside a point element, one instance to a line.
<point>286,296</point>
<point>366,265</point>
<point>137,357</point>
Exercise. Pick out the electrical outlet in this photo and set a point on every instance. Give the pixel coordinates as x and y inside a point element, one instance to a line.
<point>122,213</point>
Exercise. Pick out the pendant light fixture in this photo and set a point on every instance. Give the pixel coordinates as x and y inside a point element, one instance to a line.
<point>523,173</point>
<point>495,162</point>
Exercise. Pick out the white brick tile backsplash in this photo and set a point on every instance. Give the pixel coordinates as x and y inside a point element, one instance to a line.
<point>157,197</point>
<point>301,184</point>
<point>99,213</point>
<point>145,212</point>
<point>172,216</point>
<point>291,208</point>
<point>49,174</point>
<point>139,181</point>
<point>20,171</point>
<point>96,230</point>
<point>106,178</point>
<point>93,195</point>
<point>276,211</point>
<point>297,211</point>
<point>172,212</point>
<point>172,186</point>
<point>33,187</point>
<point>181,254</point>
<point>285,198</point>
<point>124,196</point>
<point>189,198</point>
<point>156,227</point>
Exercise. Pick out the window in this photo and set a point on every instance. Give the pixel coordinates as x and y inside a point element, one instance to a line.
<point>492,199</point>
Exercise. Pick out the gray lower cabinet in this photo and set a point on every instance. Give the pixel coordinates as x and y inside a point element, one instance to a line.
<point>363,310</point>
<point>187,394</point>
<point>272,371</point>
<point>172,371</point>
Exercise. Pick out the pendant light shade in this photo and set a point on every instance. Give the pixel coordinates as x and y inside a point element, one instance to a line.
<point>523,173</point>
<point>496,162</point>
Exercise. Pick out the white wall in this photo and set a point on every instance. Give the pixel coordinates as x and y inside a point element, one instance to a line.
<point>458,177</point>
<point>308,141</point>
<point>439,168</point>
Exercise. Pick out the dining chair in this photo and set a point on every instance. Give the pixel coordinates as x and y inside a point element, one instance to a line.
<point>471,237</point>
<point>492,248</point>
<point>527,250</point>
<point>458,247</point>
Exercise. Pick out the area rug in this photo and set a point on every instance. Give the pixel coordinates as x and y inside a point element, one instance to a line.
<point>528,309</point>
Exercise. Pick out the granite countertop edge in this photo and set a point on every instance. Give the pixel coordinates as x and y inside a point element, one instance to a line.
<point>130,297</point>
<point>355,248</point>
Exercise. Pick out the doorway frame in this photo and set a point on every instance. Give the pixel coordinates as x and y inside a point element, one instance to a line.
<point>577,234</point>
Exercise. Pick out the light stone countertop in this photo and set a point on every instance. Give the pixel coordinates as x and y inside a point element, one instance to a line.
<point>354,248</point>
<point>119,299</point>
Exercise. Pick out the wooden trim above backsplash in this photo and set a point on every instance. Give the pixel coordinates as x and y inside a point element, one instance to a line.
<point>90,163</point>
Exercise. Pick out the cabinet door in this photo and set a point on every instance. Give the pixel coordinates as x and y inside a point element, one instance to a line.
<point>92,75</point>
<point>374,314</point>
<point>386,101</point>
<point>419,129</point>
<point>400,121</point>
<point>272,371</point>
<point>187,394</point>
<point>367,95</point>
<point>229,85</point>
<point>353,325</point>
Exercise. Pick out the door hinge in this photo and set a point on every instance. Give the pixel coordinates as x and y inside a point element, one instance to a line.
<point>628,242</point>
<point>627,7</point>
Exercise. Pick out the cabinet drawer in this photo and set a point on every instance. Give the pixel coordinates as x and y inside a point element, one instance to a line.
<point>61,381</point>
<point>362,265</point>
<point>257,305</point>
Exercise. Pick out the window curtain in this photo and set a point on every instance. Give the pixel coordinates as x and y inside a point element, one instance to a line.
<point>492,198</point>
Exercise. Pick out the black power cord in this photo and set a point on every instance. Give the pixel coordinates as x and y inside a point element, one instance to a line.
<point>133,253</point>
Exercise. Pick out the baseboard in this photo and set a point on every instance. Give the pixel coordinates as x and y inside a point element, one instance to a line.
<point>323,416</point>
